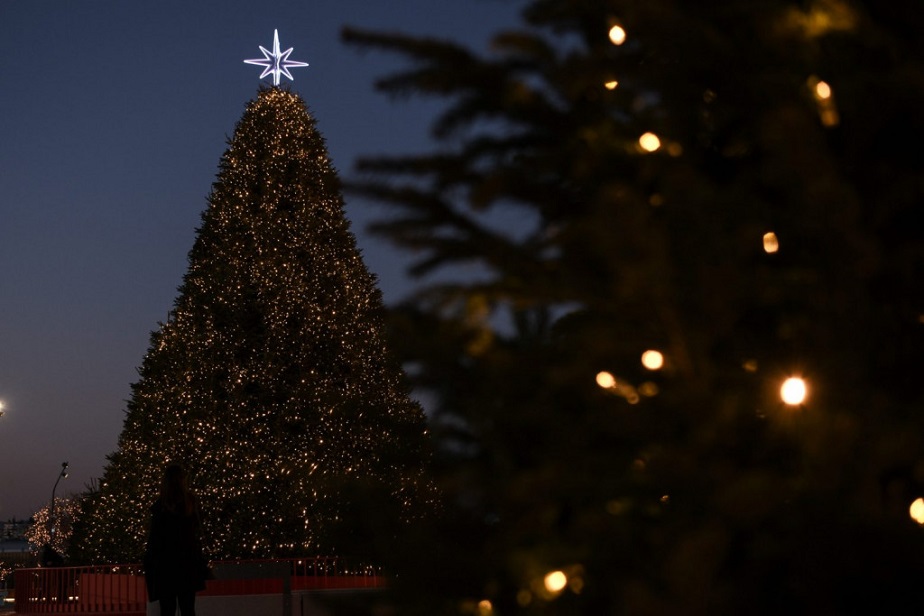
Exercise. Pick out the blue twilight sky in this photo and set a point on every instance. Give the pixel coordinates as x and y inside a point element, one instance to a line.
<point>113,117</point>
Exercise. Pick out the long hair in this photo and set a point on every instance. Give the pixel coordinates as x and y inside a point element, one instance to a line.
<point>175,494</point>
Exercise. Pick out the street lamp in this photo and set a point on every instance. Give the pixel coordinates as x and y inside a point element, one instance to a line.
<point>50,552</point>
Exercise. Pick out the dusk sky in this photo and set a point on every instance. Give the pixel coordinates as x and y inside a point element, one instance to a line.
<point>113,117</point>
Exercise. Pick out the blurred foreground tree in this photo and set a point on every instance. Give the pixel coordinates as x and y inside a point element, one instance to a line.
<point>271,381</point>
<point>730,186</point>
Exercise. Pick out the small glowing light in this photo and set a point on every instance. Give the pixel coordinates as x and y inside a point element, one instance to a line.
<point>822,90</point>
<point>653,360</point>
<point>771,243</point>
<point>917,510</point>
<point>611,85</point>
<point>605,380</point>
<point>555,581</point>
<point>793,391</point>
<point>617,35</point>
<point>649,142</point>
<point>484,607</point>
<point>750,365</point>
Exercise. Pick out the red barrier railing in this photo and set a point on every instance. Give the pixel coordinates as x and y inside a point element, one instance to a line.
<point>119,590</point>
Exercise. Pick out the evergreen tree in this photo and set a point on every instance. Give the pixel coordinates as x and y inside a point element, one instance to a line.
<point>724,185</point>
<point>271,381</point>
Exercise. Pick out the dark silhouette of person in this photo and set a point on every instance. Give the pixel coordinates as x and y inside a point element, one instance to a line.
<point>175,568</point>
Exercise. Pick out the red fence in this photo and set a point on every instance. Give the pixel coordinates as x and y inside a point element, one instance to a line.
<point>119,590</point>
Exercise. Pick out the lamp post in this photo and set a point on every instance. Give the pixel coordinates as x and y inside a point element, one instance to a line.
<point>50,553</point>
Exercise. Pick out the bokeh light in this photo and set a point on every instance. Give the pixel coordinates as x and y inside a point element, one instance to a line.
<point>917,510</point>
<point>649,142</point>
<point>771,242</point>
<point>653,360</point>
<point>617,35</point>
<point>822,90</point>
<point>793,391</point>
<point>555,581</point>
<point>611,84</point>
<point>605,380</point>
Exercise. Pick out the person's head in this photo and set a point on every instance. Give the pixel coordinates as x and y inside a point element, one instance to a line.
<point>174,491</point>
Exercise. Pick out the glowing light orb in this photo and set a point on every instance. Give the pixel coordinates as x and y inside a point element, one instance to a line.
<point>822,90</point>
<point>916,511</point>
<point>771,243</point>
<point>555,581</point>
<point>793,391</point>
<point>605,380</point>
<point>276,62</point>
<point>649,142</point>
<point>653,360</point>
<point>617,35</point>
<point>485,608</point>
<point>611,85</point>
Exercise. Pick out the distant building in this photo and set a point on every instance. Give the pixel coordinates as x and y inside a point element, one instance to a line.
<point>13,529</point>
<point>14,549</point>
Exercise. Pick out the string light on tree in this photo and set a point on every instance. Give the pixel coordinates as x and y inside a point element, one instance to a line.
<point>916,511</point>
<point>793,391</point>
<point>653,360</point>
<point>771,243</point>
<point>605,379</point>
<point>555,581</point>
<point>649,142</point>
<point>617,35</point>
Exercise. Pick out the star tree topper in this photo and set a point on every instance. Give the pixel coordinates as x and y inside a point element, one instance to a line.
<point>276,63</point>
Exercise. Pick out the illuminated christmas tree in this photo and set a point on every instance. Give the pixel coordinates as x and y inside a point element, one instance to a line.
<point>271,381</point>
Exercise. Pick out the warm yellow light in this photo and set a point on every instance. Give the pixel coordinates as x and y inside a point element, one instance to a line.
<point>605,380</point>
<point>485,608</point>
<point>611,85</point>
<point>793,391</point>
<point>653,360</point>
<point>617,35</point>
<point>649,142</point>
<point>917,510</point>
<point>822,90</point>
<point>771,243</point>
<point>555,581</point>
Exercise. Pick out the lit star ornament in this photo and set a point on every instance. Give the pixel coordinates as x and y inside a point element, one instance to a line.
<point>276,62</point>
